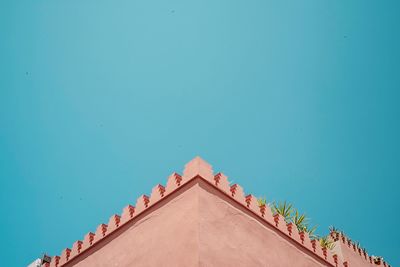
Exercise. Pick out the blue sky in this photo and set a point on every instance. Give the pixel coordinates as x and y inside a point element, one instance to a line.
<point>101,100</point>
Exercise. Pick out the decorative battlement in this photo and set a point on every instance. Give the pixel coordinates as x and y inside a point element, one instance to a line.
<point>199,169</point>
<point>347,246</point>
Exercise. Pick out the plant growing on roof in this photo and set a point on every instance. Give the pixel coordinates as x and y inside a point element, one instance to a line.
<point>326,242</point>
<point>261,201</point>
<point>311,232</point>
<point>284,209</point>
<point>301,221</point>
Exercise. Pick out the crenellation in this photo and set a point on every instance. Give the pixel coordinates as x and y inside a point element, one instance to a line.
<point>329,256</point>
<point>314,245</point>
<point>221,181</point>
<point>263,209</point>
<point>296,235</point>
<point>349,242</point>
<point>252,204</point>
<point>142,203</point>
<point>324,252</point>
<point>113,223</point>
<point>157,193</point>
<point>127,213</point>
<point>198,168</point>
<point>318,249</point>
<point>335,259</point>
<point>290,228</point>
<point>280,223</point>
<point>88,240</point>
<point>55,260</point>
<point>76,248</point>
<point>173,182</point>
<point>65,254</point>
<point>100,232</point>
<point>306,240</point>
<point>237,193</point>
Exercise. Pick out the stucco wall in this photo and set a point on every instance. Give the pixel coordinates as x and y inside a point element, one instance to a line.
<point>230,237</point>
<point>165,236</point>
<point>199,226</point>
<point>353,258</point>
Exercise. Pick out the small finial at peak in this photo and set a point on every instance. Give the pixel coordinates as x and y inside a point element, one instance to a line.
<point>198,166</point>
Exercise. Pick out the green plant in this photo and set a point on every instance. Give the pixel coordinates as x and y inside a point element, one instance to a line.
<point>301,221</point>
<point>302,224</point>
<point>261,201</point>
<point>311,232</point>
<point>284,209</point>
<point>326,242</point>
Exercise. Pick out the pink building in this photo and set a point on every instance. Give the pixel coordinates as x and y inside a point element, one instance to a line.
<point>198,219</point>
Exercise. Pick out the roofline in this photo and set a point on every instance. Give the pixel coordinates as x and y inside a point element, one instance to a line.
<point>195,171</point>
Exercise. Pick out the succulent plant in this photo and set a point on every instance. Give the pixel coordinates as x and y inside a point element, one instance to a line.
<point>284,209</point>
<point>300,220</point>
<point>261,201</point>
<point>326,242</point>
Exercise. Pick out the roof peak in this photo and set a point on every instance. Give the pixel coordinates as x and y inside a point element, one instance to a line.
<point>198,166</point>
<point>200,170</point>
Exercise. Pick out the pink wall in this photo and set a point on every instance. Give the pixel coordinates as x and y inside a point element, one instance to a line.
<point>198,227</point>
<point>352,255</point>
<point>199,219</point>
<point>165,236</point>
<point>230,237</point>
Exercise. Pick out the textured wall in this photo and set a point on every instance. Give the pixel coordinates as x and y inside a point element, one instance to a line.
<point>199,227</point>
<point>230,237</point>
<point>166,236</point>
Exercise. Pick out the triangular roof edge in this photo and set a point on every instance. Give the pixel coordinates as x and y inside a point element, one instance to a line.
<point>199,169</point>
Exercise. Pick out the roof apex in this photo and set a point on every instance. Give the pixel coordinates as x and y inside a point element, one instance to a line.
<point>198,166</point>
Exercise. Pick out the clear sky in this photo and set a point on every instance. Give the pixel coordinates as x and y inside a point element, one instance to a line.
<point>101,100</point>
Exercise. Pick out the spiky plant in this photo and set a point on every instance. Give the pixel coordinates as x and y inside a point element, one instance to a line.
<point>311,232</point>
<point>284,209</point>
<point>301,221</point>
<point>261,201</point>
<point>326,242</point>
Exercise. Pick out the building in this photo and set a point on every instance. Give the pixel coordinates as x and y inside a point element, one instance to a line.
<point>199,219</point>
